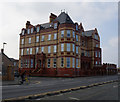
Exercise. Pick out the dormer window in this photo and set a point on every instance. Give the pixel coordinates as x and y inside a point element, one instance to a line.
<point>28,31</point>
<point>76,27</point>
<point>55,25</point>
<point>23,32</point>
<point>38,29</point>
<point>82,33</point>
<point>96,37</point>
<point>31,30</point>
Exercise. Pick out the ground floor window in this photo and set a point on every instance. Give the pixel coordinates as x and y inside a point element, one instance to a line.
<point>77,63</point>
<point>73,62</point>
<point>54,62</point>
<point>68,62</point>
<point>48,63</point>
<point>31,63</point>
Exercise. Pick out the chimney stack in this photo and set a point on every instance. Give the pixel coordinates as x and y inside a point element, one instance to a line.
<point>2,50</point>
<point>52,17</point>
<point>27,24</point>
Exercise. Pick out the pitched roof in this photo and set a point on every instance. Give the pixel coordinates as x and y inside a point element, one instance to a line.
<point>64,18</point>
<point>89,32</point>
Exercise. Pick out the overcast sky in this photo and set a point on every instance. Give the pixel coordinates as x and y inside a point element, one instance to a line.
<point>100,15</point>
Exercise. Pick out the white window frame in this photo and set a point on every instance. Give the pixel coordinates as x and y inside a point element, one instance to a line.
<point>31,30</point>
<point>73,62</point>
<point>38,28</point>
<point>62,33</point>
<point>37,50</point>
<point>37,38</point>
<point>29,40</point>
<point>76,37</point>
<point>77,48</point>
<point>55,36</point>
<point>22,41</point>
<point>68,33</point>
<point>43,37</point>
<point>73,46</point>
<point>62,47</point>
<point>48,63</point>
<point>55,48</point>
<point>62,62</point>
<point>23,32</point>
<point>28,31</point>
<point>22,51</point>
<point>27,51</point>
<point>73,34</point>
<point>68,62</point>
<point>68,46</point>
<point>30,50</point>
<point>42,49</point>
<point>55,25</point>
<point>49,37</point>
<point>54,62</point>
<point>49,49</point>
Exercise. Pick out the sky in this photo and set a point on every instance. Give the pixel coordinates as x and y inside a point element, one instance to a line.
<point>100,15</point>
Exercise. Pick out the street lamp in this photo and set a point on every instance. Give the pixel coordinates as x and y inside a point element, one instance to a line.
<point>3,45</point>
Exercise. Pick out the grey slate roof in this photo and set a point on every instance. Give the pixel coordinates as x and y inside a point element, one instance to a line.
<point>64,18</point>
<point>89,32</point>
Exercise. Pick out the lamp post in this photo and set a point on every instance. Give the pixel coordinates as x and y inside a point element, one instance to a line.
<point>3,45</point>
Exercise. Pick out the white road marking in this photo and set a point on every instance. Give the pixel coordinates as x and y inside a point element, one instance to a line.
<point>73,98</point>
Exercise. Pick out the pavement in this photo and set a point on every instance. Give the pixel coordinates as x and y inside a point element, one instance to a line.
<point>40,86</point>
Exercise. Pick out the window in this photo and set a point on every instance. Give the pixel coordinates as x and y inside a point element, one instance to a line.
<point>96,45</point>
<point>37,49</point>
<point>37,38</point>
<point>99,55</point>
<point>42,38</point>
<point>62,33</point>
<point>23,32</point>
<point>73,62</point>
<point>31,63</point>
<point>38,29</point>
<point>31,30</point>
<point>68,62</point>
<point>49,37</point>
<point>22,41</point>
<point>96,62</point>
<point>76,37</point>
<point>29,40</point>
<point>73,34</point>
<point>62,62</point>
<point>95,53</point>
<point>21,51</point>
<point>76,49</point>
<point>27,51</point>
<point>28,63</point>
<point>76,27</point>
<point>77,63</point>
<point>55,48</point>
<point>82,33</point>
<point>82,53</point>
<point>62,47</point>
<point>55,25</point>
<point>30,50</point>
<point>42,49</point>
<point>28,31</point>
<point>68,33</point>
<point>49,48</point>
<point>68,47</point>
<point>55,36</point>
<point>99,62</point>
<point>73,45</point>
<point>96,37</point>
<point>48,63</point>
<point>54,62</point>
<point>88,53</point>
<point>85,53</point>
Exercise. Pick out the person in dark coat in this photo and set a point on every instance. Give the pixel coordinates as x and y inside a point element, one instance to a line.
<point>23,77</point>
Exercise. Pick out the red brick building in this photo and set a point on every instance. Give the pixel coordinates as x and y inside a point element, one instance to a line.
<point>60,47</point>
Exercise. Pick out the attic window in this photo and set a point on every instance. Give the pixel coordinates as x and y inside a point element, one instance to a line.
<point>55,25</point>
<point>76,27</point>
<point>68,19</point>
<point>31,30</point>
<point>96,37</point>
<point>23,32</point>
<point>38,29</point>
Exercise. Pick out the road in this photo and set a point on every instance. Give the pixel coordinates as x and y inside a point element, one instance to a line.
<point>51,84</point>
<point>102,92</point>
